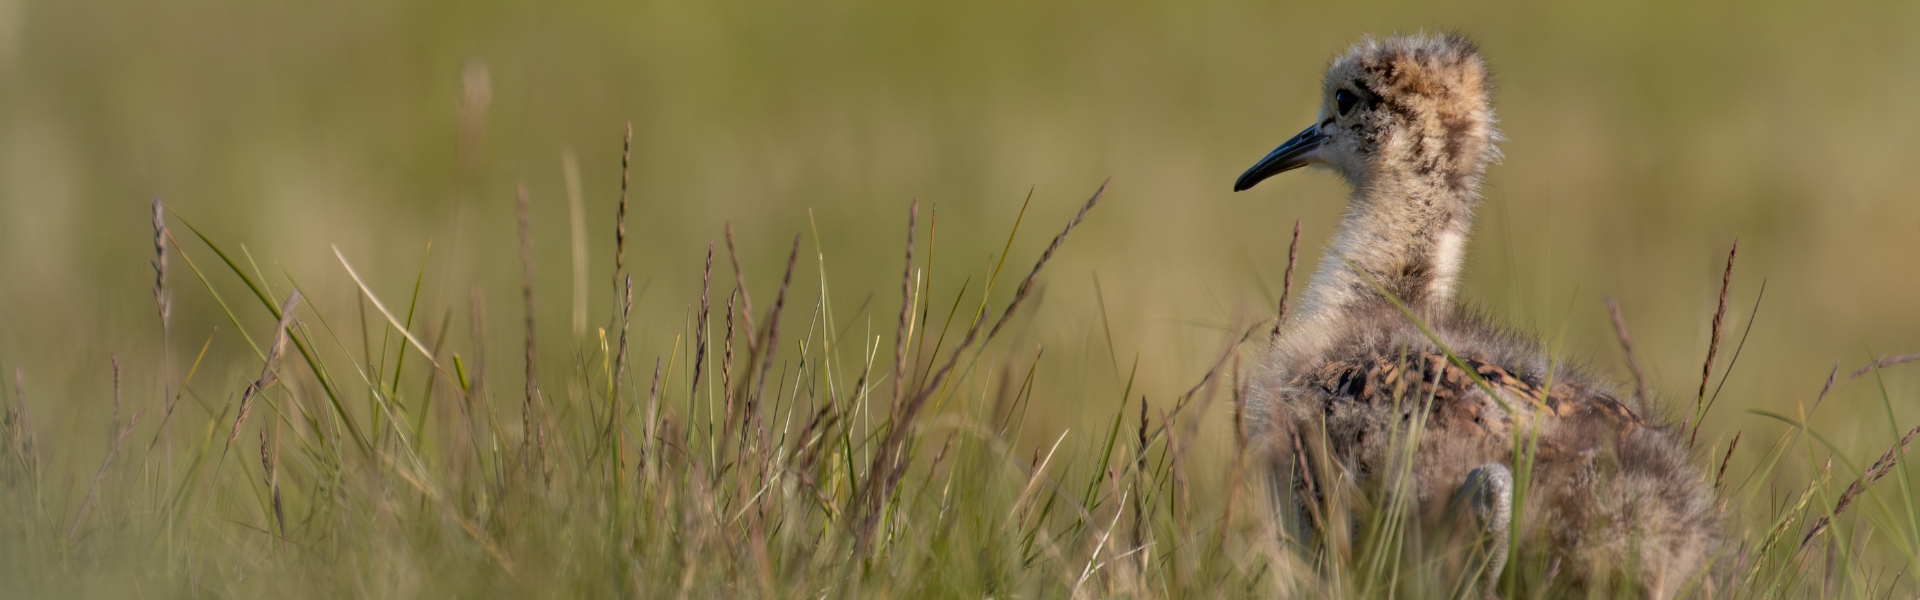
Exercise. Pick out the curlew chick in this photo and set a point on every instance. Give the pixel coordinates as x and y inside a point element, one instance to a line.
<point>1353,391</point>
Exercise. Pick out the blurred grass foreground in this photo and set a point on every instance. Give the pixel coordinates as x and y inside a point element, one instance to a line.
<point>412,316</point>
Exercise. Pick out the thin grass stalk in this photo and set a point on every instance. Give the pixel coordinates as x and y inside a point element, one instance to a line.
<point>1286,281</point>
<point>1141,483</point>
<point>746,296</point>
<point>1713,346</point>
<point>433,376</point>
<point>1230,351</point>
<point>650,445</point>
<point>771,335</point>
<point>270,474</point>
<point>926,287</point>
<point>1626,348</point>
<point>623,288</point>
<point>857,398</point>
<point>1880,364</point>
<point>268,375</point>
<point>370,370</point>
<point>1738,347</point>
<point>726,367</point>
<point>1023,400</point>
<point>620,213</point>
<point>163,301</point>
<point>400,362</point>
<point>115,423</point>
<point>999,264</point>
<point>225,308</point>
<point>906,312</point>
<point>1026,285</point>
<point>620,358</point>
<point>700,330</point>
<point>173,397</point>
<point>1722,473</point>
<point>533,430</point>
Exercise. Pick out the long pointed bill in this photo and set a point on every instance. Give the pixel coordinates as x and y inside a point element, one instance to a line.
<point>1298,152</point>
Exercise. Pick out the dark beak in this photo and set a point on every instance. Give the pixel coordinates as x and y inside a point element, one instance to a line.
<point>1298,152</point>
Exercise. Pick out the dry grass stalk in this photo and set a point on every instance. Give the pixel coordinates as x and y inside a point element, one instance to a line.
<point>161,299</point>
<point>623,285</point>
<point>1713,347</point>
<point>268,375</point>
<point>1305,471</point>
<point>1825,388</point>
<point>1881,364</point>
<point>1286,281</point>
<point>1026,285</point>
<point>726,364</point>
<point>619,360</point>
<point>813,444</point>
<point>1722,474</point>
<point>160,296</point>
<point>1231,351</point>
<point>1879,469</point>
<point>700,322</point>
<point>620,214</point>
<point>1626,347</point>
<point>746,297</point>
<point>906,311</point>
<point>772,332</point>
<point>533,429</point>
<point>1752,316</point>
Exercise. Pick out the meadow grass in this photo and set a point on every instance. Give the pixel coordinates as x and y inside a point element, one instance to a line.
<point>785,448</point>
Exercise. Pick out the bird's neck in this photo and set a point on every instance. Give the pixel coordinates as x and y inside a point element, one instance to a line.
<point>1404,236</point>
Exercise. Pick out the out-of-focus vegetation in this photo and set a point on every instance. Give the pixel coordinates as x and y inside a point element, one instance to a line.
<point>1642,139</point>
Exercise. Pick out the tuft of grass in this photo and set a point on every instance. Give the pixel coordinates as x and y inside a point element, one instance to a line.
<point>781,453</point>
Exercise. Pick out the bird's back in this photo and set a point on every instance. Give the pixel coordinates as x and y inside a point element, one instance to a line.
<point>1610,485</point>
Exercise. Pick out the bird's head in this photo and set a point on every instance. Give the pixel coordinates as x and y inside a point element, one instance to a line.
<point>1406,106</point>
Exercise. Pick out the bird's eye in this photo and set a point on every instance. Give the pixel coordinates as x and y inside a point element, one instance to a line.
<point>1345,101</point>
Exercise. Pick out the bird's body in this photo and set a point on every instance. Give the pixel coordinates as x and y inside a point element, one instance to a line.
<point>1381,359</point>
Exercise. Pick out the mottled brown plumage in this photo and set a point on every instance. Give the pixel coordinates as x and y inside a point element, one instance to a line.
<point>1615,496</point>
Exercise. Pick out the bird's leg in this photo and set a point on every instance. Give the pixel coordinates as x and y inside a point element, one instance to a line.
<point>1488,492</point>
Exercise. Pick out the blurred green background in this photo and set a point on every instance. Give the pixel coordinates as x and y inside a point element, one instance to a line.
<point>1642,139</point>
